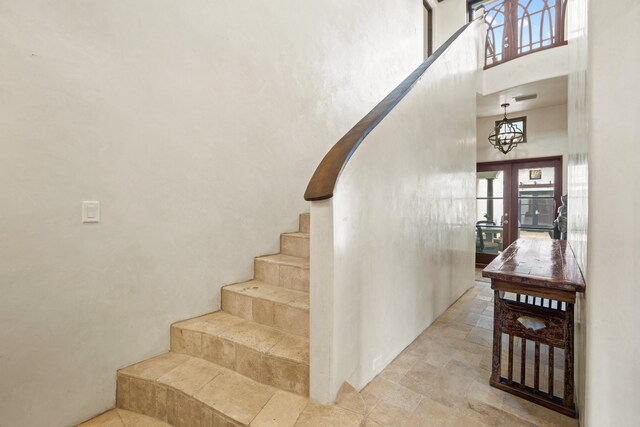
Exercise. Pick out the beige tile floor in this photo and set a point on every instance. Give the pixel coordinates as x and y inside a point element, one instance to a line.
<point>442,378</point>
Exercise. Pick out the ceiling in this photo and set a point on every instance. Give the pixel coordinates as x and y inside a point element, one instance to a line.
<point>550,92</point>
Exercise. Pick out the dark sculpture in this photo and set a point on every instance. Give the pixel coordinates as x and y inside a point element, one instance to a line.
<point>561,221</point>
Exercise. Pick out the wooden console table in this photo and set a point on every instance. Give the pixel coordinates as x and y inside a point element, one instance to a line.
<point>535,283</point>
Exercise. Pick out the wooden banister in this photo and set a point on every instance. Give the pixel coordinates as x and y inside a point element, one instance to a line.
<point>324,179</point>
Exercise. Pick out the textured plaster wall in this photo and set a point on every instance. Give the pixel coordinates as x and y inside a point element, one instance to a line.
<point>397,239</point>
<point>612,371</point>
<point>448,17</point>
<point>578,177</point>
<point>197,124</point>
<point>538,66</point>
<point>604,206</point>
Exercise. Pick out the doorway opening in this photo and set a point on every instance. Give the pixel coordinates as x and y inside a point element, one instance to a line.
<point>515,199</point>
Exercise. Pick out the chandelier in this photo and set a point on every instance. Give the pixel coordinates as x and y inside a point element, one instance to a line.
<point>505,137</point>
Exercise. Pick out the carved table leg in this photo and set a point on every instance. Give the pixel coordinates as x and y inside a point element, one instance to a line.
<point>496,370</point>
<point>568,358</point>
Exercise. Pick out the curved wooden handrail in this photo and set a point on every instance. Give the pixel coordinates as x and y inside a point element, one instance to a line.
<point>325,177</point>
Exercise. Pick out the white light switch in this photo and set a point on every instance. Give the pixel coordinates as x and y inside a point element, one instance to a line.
<point>90,211</point>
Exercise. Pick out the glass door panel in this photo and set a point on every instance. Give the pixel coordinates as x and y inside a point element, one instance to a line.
<point>536,201</point>
<point>515,199</point>
<point>491,227</point>
<point>491,184</point>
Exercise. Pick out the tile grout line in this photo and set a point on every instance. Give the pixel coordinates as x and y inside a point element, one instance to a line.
<point>120,417</point>
<point>271,348</point>
<point>301,411</point>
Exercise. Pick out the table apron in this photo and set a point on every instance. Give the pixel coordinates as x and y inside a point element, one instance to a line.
<point>553,333</point>
<point>535,291</point>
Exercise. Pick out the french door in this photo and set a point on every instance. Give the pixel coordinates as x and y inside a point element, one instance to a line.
<point>515,199</point>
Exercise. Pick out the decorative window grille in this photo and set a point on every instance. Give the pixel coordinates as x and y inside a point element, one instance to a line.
<point>519,27</point>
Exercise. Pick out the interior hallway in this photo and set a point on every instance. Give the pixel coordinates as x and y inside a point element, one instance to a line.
<point>442,378</point>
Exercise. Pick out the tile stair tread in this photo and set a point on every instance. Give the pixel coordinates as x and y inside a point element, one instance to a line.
<point>211,324</point>
<point>232,394</point>
<point>269,292</point>
<point>258,337</point>
<point>219,388</point>
<point>124,418</point>
<point>297,234</point>
<point>154,368</point>
<point>240,399</point>
<point>288,260</point>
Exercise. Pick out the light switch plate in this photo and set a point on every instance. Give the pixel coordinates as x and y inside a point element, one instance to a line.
<point>90,211</point>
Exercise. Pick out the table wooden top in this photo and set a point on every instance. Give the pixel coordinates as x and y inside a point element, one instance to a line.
<point>538,262</point>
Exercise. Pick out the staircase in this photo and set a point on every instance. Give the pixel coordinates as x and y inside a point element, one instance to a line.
<point>247,364</point>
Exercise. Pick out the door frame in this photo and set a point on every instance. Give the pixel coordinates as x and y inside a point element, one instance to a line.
<point>429,29</point>
<point>510,196</point>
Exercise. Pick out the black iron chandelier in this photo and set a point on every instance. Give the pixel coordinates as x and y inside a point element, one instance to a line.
<point>505,137</point>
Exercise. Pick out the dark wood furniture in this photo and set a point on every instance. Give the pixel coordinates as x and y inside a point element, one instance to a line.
<point>535,283</point>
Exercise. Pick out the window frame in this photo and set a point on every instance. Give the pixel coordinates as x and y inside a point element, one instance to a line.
<point>522,119</point>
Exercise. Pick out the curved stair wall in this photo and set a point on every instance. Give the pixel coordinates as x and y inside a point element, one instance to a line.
<point>393,242</point>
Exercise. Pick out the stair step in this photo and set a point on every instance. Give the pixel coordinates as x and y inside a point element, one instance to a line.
<point>296,244</point>
<point>190,389</point>
<point>269,305</point>
<point>123,418</point>
<point>284,270</point>
<point>305,223</point>
<point>260,352</point>
<point>187,391</point>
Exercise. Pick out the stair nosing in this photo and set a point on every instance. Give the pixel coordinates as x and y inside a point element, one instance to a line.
<point>297,234</point>
<point>295,264</point>
<point>295,292</point>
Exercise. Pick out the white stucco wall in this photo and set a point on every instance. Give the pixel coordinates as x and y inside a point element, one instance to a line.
<point>448,17</point>
<point>197,125</point>
<point>604,206</point>
<point>578,177</point>
<point>538,66</point>
<point>612,347</point>
<point>396,241</point>
<point>546,136</point>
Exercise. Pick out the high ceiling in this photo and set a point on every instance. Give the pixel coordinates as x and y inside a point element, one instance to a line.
<point>549,92</point>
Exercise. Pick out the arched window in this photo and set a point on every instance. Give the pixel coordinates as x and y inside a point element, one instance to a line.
<point>518,27</point>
